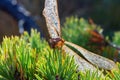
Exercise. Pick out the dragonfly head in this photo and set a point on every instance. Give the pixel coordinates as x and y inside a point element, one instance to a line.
<point>56,42</point>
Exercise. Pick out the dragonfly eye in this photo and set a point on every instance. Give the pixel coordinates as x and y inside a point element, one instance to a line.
<point>56,42</point>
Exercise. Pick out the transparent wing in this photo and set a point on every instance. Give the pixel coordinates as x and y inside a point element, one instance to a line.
<point>50,13</point>
<point>93,58</point>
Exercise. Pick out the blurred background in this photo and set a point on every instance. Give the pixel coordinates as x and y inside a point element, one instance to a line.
<point>103,12</point>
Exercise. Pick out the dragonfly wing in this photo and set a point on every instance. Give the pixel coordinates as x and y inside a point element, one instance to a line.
<point>50,13</point>
<point>82,64</point>
<point>93,58</point>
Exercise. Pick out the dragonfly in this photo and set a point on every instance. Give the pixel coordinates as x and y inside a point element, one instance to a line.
<point>90,60</point>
